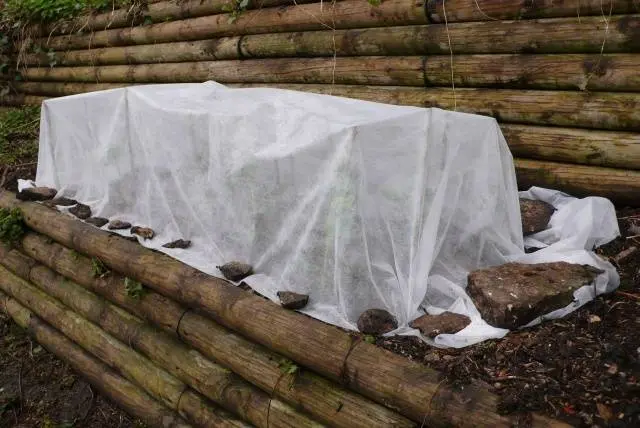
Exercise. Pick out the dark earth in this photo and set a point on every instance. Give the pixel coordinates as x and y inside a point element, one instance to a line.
<point>583,369</point>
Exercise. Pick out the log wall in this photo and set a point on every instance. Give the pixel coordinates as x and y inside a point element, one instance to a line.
<point>561,77</point>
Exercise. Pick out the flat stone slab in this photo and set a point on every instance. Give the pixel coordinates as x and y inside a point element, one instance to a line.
<point>235,271</point>
<point>535,216</point>
<point>97,221</point>
<point>514,294</point>
<point>143,232</point>
<point>81,211</point>
<point>376,322</point>
<point>119,225</point>
<point>293,301</point>
<point>445,323</point>
<point>37,194</point>
<point>179,243</point>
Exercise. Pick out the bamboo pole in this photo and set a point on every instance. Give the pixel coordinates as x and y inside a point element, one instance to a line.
<point>315,16</point>
<point>159,11</point>
<point>117,389</point>
<point>166,388</point>
<point>564,35</point>
<point>621,186</point>
<point>213,381</point>
<point>482,10</point>
<point>615,72</point>
<point>601,110</point>
<point>258,365</point>
<point>14,100</point>
<point>411,388</point>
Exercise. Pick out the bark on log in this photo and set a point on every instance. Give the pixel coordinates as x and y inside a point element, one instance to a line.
<point>564,35</point>
<point>613,72</point>
<point>615,111</point>
<point>316,16</point>
<point>159,11</point>
<point>191,367</point>
<point>619,185</point>
<point>16,100</point>
<point>474,10</point>
<point>113,353</point>
<point>411,388</point>
<point>117,389</point>
<point>258,365</point>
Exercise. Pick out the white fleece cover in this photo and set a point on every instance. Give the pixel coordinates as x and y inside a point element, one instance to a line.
<point>358,204</point>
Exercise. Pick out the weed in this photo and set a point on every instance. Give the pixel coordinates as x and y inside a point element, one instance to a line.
<point>98,268</point>
<point>134,288</point>
<point>370,339</point>
<point>235,9</point>
<point>12,227</point>
<point>375,2</point>
<point>288,367</point>
<point>19,134</point>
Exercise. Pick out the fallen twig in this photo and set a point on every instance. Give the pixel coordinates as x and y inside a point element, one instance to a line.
<point>628,295</point>
<point>624,254</point>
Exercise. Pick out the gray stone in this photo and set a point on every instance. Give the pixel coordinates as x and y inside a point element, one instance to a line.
<point>291,300</point>
<point>514,294</point>
<point>97,221</point>
<point>180,243</point>
<point>64,202</point>
<point>445,323</point>
<point>37,194</point>
<point>143,232</point>
<point>376,321</point>
<point>235,271</point>
<point>119,225</point>
<point>535,216</point>
<point>81,211</point>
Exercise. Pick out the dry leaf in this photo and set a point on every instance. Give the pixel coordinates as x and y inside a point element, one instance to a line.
<point>594,318</point>
<point>604,411</point>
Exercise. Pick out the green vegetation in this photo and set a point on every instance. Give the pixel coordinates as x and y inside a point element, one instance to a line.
<point>20,12</point>
<point>134,288</point>
<point>12,227</point>
<point>98,268</point>
<point>19,135</point>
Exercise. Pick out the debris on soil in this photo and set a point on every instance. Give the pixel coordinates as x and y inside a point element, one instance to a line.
<point>235,271</point>
<point>180,243</point>
<point>535,215</point>
<point>293,301</point>
<point>37,194</point>
<point>119,225</point>
<point>81,211</point>
<point>143,232</point>
<point>445,323</point>
<point>512,295</point>
<point>376,322</point>
<point>97,221</point>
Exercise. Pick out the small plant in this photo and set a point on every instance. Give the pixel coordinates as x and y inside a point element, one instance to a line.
<point>235,9</point>
<point>370,339</point>
<point>98,268</point>
<point>375,2</point>
<point>74,254</point>
<point>288,367</point>
<point>134,288</point>
<point>12,227</point>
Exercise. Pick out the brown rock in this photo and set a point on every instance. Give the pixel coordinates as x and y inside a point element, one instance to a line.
<point>64,202</point>
<point>446,322</point>
<point>535,215</point>
<point>512,295</point>
<point>119,225</point>
<point>97,221</point>
<point>235,271</point>
<point>81,211</point>
<point>144,232</point>
<point>37,194</point>
<point>291,300</point>
<point>180,243</point>
<point>376,321</point>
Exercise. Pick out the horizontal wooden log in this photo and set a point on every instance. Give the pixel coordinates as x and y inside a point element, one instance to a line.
<point>612,72</point>
<point>564,35</point>
<point>482,10</point>
<point>619,185</point>
<point>211,380</point>
<point>315,16</point>
<point>600,110</point>
<point>159,11</point>
<point>113,386</point>
<point>15,100</point>
<point>411,388</point>
<point>306,390</point>
<point>113,353</point>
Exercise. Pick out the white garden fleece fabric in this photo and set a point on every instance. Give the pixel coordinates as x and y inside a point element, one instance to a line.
<point>358,204</point>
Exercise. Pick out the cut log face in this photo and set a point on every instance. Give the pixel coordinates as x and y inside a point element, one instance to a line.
<point>376,321</point>
<point>445,323</point>
<point>514,294</point>
<point>37,194</point>
<point>535,216</point>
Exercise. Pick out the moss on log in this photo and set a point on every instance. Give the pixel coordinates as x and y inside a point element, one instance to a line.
<point>113,386</point>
